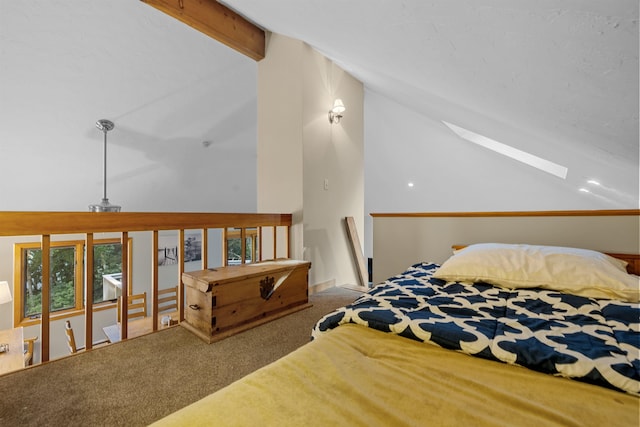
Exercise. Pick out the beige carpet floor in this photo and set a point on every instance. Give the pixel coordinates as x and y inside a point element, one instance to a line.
<point>136,382</point>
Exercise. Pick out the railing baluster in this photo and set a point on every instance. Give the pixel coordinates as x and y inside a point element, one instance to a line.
<point>275,244</point>
<point>287,230</point>
<point>225,247</point>
<point>243,245</point>
<point>180,271</point>
<point>88,292</point>
<point>46,295</point>
<point>124,300</point>
<point>154,279</point>
<point>205,251</point>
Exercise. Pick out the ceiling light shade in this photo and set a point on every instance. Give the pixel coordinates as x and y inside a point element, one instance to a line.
<point>104,206</point>
<point>335,114</point>
<point>5,293</point>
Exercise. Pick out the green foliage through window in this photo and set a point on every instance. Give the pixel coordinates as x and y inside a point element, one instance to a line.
<point>61,282</point>
<point>64,292</point>
<point>107,259</point>
<point>234,250</point>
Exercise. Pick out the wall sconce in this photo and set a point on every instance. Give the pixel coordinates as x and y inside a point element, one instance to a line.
<point>335,114</point>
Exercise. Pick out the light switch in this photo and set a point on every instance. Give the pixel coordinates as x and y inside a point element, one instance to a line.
<point>326,183</point>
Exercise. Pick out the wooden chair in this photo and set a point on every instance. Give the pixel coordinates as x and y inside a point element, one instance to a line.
<point>136,307</point>
<point>168,299</point>
<point>28,353</point>
<point>168,303</point>
<point>71,341</point>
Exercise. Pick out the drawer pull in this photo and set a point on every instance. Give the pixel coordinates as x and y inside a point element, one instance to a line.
<point>194,306</point>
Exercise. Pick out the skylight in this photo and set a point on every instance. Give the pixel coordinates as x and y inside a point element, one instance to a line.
<point>506,150</point>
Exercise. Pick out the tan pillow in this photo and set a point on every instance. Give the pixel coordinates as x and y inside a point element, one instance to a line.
<point>576,271</point>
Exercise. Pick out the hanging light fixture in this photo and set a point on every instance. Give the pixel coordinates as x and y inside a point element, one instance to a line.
<point>104,206</point>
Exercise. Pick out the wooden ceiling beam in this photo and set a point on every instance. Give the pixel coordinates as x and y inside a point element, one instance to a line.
<point>216,21</point>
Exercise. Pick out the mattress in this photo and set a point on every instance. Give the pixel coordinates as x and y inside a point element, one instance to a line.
<point>358,376</point>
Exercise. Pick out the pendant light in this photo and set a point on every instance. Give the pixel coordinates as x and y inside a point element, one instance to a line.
<point>104,206</point>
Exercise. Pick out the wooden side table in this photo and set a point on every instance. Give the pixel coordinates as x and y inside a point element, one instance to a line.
<point>13,359</point>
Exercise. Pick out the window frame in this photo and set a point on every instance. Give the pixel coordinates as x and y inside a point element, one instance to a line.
<point>250,244</point>
<point>19,250</point>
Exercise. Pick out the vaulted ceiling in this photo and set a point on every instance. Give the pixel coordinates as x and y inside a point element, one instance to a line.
<point>565,71</point>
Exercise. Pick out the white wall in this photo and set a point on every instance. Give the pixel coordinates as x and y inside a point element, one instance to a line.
<point>167,87</point>
<point>280,105</point>
<point>451,174</point>
<point>298,149</point>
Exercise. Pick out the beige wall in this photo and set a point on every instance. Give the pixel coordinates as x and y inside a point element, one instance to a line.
<point>399,242</point>
<point>279,151</point>
<point>298,149</point>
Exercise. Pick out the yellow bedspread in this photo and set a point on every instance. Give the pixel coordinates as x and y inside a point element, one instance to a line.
<point>356,376</point>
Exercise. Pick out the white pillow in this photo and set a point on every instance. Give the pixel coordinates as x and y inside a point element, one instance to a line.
<point>576,271</point>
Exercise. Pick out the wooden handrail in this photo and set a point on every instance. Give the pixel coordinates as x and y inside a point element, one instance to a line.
<point>39,223</point>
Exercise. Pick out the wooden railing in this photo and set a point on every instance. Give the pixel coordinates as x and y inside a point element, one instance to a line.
<point>48,224</point>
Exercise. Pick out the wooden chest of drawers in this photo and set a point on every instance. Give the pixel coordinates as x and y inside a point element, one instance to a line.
<point>226,300</point>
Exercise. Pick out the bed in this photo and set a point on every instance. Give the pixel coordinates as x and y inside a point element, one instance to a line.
<point>498,334</point>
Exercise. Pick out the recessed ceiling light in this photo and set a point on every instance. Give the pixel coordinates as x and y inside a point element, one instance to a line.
<point>507,150</point>
<point>410,184</point>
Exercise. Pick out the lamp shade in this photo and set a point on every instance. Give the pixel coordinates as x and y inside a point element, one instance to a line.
<point>338,106</point>
<point>5,293</point>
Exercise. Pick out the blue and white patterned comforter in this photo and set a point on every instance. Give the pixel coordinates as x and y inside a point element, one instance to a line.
<point>592,340</point>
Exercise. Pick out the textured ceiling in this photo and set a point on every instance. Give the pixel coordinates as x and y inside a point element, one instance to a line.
<point>565,71</point>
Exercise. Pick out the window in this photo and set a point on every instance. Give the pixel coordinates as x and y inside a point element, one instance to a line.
<point>67,277</point>
<point>234,246</point>
<point>107,260</point>
<point>506,150</point>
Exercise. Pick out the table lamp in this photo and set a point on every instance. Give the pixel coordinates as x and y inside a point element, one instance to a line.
<point>5,293</point>
<point>5,296</point>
